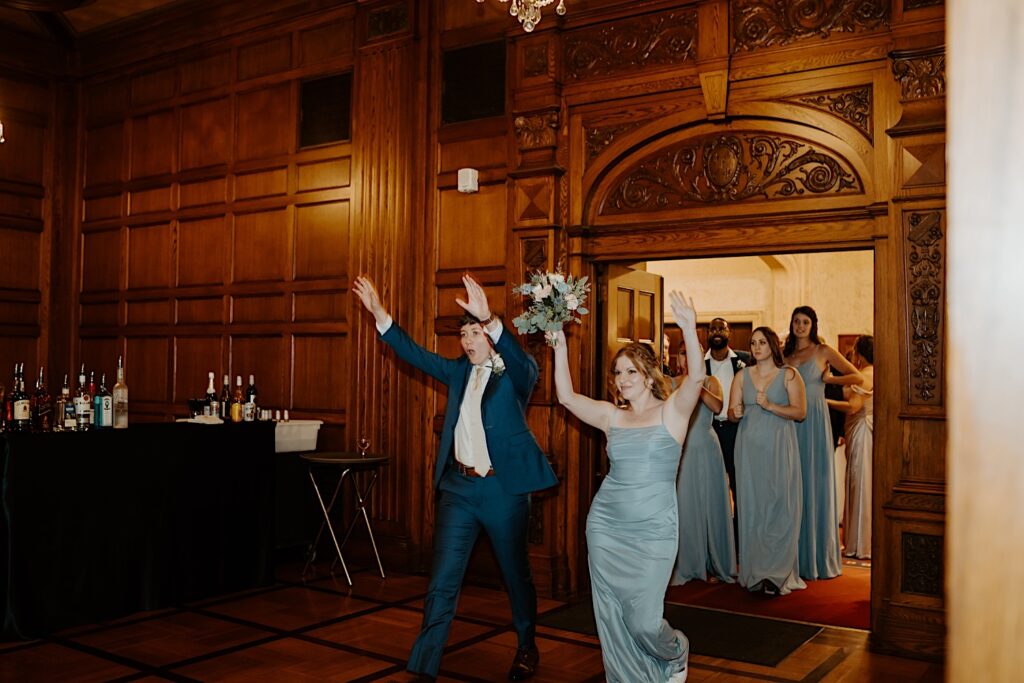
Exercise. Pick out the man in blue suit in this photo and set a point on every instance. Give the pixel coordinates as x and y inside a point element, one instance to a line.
<point>487,466</point>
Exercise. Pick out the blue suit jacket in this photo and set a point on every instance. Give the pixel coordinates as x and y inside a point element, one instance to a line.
<point>518,460</point>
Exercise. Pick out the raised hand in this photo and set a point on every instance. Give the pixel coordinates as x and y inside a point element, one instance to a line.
<point>476,305</point>
<point>555,339</point>
<point>367,293</point>
<point>682,310</point>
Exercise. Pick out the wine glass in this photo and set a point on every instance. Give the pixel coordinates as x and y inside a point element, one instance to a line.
<point>364,446</point>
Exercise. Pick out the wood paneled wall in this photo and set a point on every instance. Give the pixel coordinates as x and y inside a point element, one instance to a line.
<point>207,240</point>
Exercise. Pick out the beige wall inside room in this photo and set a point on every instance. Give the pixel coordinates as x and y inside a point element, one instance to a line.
<point>764,290</point>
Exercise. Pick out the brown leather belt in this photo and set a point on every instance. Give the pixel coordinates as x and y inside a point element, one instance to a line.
<point>470,472</point>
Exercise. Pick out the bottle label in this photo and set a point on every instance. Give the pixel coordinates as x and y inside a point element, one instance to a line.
<point>69,415</point>
<point>107,411</point>
<point>236,412</point>
<point>22,410</point>
<point>249,412</point>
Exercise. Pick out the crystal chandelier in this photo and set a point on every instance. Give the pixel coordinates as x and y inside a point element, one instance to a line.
<point>528,11</point>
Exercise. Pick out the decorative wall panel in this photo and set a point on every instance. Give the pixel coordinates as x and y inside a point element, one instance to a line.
<point>925,249</point>
<point>731,167</point>
<point>631,44</point>
<point>767,23</point>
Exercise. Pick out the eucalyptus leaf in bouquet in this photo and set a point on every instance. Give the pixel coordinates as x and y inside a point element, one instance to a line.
<point>555,299</point>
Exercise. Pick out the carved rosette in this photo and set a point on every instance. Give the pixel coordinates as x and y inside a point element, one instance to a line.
<point>922,564</point>
<point>767,23</point>
<point>536,130</point>
<point>921,73</point>
<point>852,105</point>
<point>925,266</point>
<point>733,167</point>
<point>631,44</point>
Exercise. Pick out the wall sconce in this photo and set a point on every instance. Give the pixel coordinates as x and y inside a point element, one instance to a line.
<point>468,180</point>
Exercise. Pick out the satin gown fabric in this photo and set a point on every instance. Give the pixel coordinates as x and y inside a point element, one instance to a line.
<point>859,445</point>
<point>819,527</point>
<point>706,541</point>
<point>632,535</point>
<point>769,485</point>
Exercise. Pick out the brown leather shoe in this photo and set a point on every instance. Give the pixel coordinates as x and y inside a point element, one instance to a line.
<point>525,663</point>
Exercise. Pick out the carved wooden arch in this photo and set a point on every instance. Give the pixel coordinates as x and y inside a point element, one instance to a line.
<point>799,155</point>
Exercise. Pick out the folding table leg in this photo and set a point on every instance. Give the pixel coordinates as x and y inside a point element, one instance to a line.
<point>327,522</point>
<point>362,499</point>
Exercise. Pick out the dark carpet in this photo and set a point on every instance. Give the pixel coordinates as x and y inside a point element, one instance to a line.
<point>737,637</point>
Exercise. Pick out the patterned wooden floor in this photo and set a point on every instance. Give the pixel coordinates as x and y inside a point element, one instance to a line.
<point>323,631</point>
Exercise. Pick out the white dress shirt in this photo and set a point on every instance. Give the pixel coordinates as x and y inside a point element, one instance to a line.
<point>470,438</point>
<point>722,369</point>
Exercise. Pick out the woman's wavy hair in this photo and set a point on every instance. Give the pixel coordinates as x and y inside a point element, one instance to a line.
<point>791,338</point>
<point>648,363</point>
<point>773,344</point>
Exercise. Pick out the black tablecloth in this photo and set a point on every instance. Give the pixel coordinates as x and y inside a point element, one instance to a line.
<point>107,523</point>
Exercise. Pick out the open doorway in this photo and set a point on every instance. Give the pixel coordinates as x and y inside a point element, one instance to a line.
<point>748,292</point>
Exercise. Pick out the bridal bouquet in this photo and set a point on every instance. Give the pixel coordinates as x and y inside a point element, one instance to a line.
<point>555,299</point>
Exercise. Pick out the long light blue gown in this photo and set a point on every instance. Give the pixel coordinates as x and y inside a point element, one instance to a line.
<point>819,528</point>
<point>769,490</point>
<point>632,534</point>
<point>706,542</point>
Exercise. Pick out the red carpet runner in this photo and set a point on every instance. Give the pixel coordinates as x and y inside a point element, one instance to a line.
<point>842,601</point>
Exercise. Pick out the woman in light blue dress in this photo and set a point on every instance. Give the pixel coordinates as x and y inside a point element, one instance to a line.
<point>819,528</point>
<point>706,541</point>
<point>766,398</point>
<point>632,528</point>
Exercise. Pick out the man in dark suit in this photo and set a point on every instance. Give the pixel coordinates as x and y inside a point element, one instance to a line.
<point>722,362</point>
<point>487,466</point>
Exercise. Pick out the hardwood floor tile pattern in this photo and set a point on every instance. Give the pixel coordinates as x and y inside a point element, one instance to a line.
<point>323,630</point>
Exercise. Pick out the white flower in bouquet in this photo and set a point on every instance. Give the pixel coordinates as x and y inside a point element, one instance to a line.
<point>555,299</point>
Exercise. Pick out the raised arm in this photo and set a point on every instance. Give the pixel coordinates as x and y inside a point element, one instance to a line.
<point>594,413</point>
<point>851,375</point>
<point>852,402</point>
<point>680,404</point>
<point>367,293</point>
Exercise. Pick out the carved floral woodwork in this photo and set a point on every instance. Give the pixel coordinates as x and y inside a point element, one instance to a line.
<point>536,130</point>
<point>732,167</point>
<point>921,73</point>
<point>535,60</point>
<point>853,105</point>
<point>597,139</point>
<point>631,44</point>
<point>925,268</point>
<point>922,564</point>
<point>768,23</point>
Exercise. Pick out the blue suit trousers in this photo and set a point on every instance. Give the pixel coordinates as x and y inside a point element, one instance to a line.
<point>467,505</point>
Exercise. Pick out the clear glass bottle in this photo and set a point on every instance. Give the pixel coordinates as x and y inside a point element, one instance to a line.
<point>225,399</point>
<point>120,398</point>
<point>83,404</point>
<point>212,404</point>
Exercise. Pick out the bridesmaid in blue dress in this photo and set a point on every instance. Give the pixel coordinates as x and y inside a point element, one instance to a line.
<point>766,398</point>
<point>632,528</point>
<point>819,528</point>
<point>706,541</point>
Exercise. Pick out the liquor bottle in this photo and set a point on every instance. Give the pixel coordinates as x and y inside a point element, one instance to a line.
<point>249,409</point>
<point>236,401</point>
<point>92,404</point>
<point>120,398</point>
<point>212,405</point>
<point>42,408</point>
<point>225,399</point>
<point>64,410</point>
<point>83,404</point>
<point>9,402</point>
<point>103,405</point>
<point>21,404</point>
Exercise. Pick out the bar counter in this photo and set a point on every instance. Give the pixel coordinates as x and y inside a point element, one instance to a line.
<point>103,524</point>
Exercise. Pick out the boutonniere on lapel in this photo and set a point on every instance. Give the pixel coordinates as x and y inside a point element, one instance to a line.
<point>740,364</point>
<point>497,365</point>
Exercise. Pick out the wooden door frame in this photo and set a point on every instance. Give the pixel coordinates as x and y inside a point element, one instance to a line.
<point>816,231</point>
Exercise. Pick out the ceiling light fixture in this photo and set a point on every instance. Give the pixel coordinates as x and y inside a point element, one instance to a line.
<point>528,11</point>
